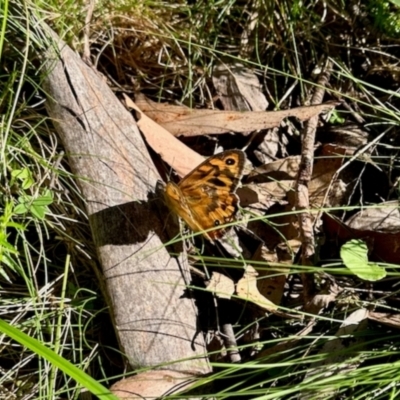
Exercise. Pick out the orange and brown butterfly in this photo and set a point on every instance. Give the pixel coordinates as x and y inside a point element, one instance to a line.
<point>205,198</point>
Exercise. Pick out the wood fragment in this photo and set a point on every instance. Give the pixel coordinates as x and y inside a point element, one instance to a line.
<point>228,336</point>
<point>154,323</point>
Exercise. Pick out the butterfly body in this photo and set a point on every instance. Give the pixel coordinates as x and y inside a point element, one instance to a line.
<point>205,198</point>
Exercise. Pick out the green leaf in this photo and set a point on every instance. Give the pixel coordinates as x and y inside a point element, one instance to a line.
<point>20,174</point>
<point>74,372</point>
<point>45,199</point>
<point>20,209</point>
<point>38,211</point>
<point>25,176</point>
<point>4,244</point>
<point>355,257</point>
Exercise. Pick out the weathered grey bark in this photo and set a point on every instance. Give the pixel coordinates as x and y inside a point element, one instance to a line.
<point>155,323</point>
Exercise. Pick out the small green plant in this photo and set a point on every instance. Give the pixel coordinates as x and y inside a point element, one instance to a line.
<point>36,205</point>
<point>336,118</point>
<point>23,176</point>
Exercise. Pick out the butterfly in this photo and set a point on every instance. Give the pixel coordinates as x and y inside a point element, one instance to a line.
<point>205,198</point>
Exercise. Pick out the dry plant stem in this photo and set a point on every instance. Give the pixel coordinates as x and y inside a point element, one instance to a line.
<point>154,322</point>
<point>359,119</point>
<point>228,336</point>
<point>88,19</point>
<point>304,177</point>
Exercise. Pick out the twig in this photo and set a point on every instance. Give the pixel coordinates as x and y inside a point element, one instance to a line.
<point>86,49</point>
<point>304,177</point>
<point>228,336</point>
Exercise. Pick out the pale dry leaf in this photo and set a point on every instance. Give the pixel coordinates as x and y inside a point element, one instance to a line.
<point>271,280</point>
<point>247,290</point>
<point>176,154</point>
<point>222,286</point>
<point>384,218</point>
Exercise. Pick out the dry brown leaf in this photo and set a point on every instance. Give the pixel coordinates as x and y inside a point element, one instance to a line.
<point>276,180</point>
<point>238,88</point>
<point>379,226</point>
<point>181,120</point>
<point>274,184</point>
<point>271,281</point>
<point>180,157</point>
<point>385,218</point>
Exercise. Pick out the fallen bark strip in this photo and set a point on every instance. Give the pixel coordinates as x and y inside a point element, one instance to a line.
<point>155,324</point>
<point>180,120</point>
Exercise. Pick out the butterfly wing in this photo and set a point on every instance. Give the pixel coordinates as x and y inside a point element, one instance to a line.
<point>205,197</point>
<point>222,171</point>
<point>220,210</point>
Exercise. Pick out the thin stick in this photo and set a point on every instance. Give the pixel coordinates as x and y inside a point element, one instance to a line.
<point>303,179</point>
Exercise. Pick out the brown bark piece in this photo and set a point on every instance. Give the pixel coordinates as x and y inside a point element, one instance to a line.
<point>155,324</point>
<point>391,320</point>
